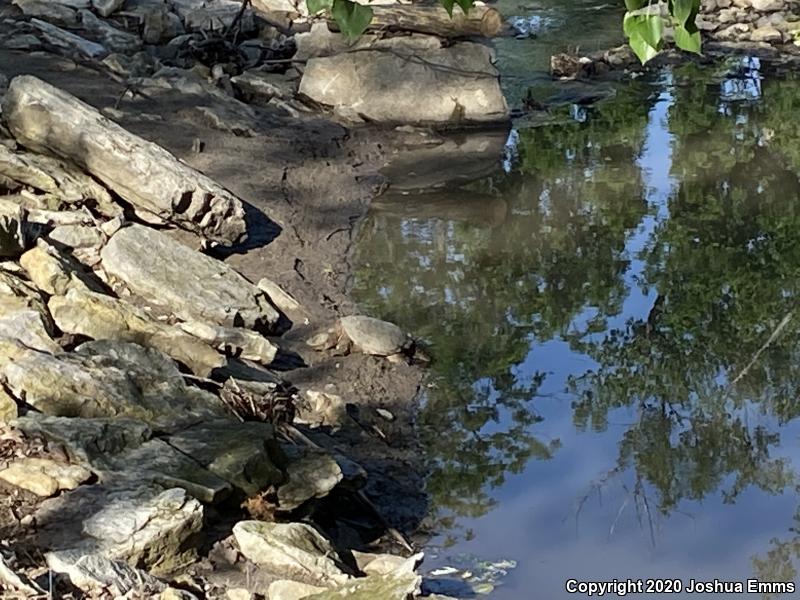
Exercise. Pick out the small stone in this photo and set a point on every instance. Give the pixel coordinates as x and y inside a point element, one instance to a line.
<point>312,474</point>
<point>387,564</point>
<point>105,8</point>
<point>290,547</point>
<point>43,476</point>
<point>279,297</point>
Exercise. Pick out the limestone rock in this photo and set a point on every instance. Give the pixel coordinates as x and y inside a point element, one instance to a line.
<point>8,407</point>
<point>767,34</point>
<point>28,327</point>
<point>238,453</point>
<point>105,8</point>
<point>141,525</point>
<point>68,41</point>
<point>236,341</point>
<point>77,236</point>
<point>385,587</point>
<point>112,38</point>
<point>95,573</point>
<point>279,297</point>
<point>55,12</point>
<point>103,317</point>
<point>373,336</point>
<point>260,87</point>
<point>458,84</point>
<point>286,589</point>
<point>17,294</point>
<point>320,41</point>
<point>109,379</point>
<point>55,272</point>
<point>191,285</point>
<point>294,548</point>
<point>44,476</point>
<point>387,564</point>
<point>767,5</point>
<point>312,474</point>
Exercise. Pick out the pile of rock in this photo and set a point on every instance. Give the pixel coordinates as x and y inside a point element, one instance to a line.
<point>770,25</point>
<point>121,349</point>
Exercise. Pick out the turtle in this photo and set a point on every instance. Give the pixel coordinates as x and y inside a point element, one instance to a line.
<point>368,335</point>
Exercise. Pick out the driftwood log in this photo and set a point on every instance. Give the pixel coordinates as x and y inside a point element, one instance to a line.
<point>431,17</point>
<point>47,119</point>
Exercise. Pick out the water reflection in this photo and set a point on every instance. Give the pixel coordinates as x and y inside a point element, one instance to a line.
<point>616,377</point>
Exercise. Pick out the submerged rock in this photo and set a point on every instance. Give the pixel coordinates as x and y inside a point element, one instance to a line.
<point>293,548</point>
<point>188,283</point>
<point>458,84</point>
<point>44,476</point>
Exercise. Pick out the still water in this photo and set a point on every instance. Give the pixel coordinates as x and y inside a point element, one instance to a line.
<point>613,315</point>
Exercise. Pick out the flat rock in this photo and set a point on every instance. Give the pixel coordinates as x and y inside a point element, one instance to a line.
<point>103,317</point>
<point>55,12</point>
<point>320,41</point>
<point>387,564</point>
<point>373,336</point>
<point>294,548</point>
<point>385,587</point>
<point>458,84</point>
<point>236,341</point>
<point>95,573</point>
<point>238,453</point>
<point>55,272</point>
<point>279,297</point>
<point>286,589</point>
<point>28,327</point>
<point>109,379</point>
<point>260,87</point>
<point>68,41</point>
<point>44,476</point>
<point>188,283</point>
<point>112,38</point>
<point>77,236</point>
<point>105,8</point>
<point>311,474</point>
<point>137,523</point>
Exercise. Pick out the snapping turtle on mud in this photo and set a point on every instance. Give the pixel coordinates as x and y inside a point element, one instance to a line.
<point>367,335</point>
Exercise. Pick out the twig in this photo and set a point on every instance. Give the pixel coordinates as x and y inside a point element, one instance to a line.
<point>781,326</point>
<point>237,18</point>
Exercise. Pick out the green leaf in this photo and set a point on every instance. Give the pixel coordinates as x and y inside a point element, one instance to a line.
<point>682,10</point>
<point>686,40</point>
<point>634,4</point>
<point>642,49</point>
<point>645,33</point>
<point>315,6</point>
<point>352,18</point>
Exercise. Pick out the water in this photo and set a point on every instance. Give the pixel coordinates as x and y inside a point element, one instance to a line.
<point>613,314</point>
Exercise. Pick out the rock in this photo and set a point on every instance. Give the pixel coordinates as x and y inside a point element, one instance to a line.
<point>312,474</point>
<point>766,34</point>
<point>46,118</point>
<point>109,379</point>
<point>322,408</point>
<point>161,25</point>
<point>191,285</point>
<point>238,594</point>
<point>55,272</point>
<point>205,15</point>
<point>105,8</point>
<point>244,343</point>
<point>285,589</point>
<point>279,297</point>
<point>103,317</point>
<point>290,548</point>
<point>237,452</point>
<point>8,407</point>
<point>373,336</point>
<point>68,41</point>
<point>320,41</point>
<point>260,86</point>
<point>172,593</point>
<point>767,5</point>
<point>385,587</point>
<point>458,84</point>
<point>19,296</point>
<point>77,236</point>
<point>387,564</point>
<point>94,573</point>
<point>140,524</point>
<point>44,476</point>
<point>87,440</point>
<point>54,12</point>
<point>12,581</point>
<point>112,38</point>
<point>28,327</point>
<point>13,235</point>
<point>26,41</point>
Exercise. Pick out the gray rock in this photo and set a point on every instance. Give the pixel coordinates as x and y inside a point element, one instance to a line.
<point>244,343</point>
<point>215,15</point>
<point>77,236</point>
<point>767,5</point>
<point>55,12</point>
<point>320,41</point>
<point>458,84</point>
<point>279,297</point>
<point>311,473</point>
<point>95,573</point>
<point>191,285</point>
<point>385,587</point>
<point>161,25</point>
<point>290,548</point>
<point>286,589</point>
<point>260,87</point>
<point>109,379</point>
<point>767,34</point>
<point>103,317</point>
<point>112,38</point>
<point>373,336</point>
<point>44,476</point>
<point>238,453</point>
<point>28,327</point>
<point>387,564</point>
<point>55,272</point>
<point>105,8</point>
<point>68,41</point>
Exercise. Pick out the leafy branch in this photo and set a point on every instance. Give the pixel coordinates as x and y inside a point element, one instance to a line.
<point>645,23</point>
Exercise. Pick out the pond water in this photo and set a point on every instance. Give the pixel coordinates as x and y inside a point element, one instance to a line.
<point>613,315</point>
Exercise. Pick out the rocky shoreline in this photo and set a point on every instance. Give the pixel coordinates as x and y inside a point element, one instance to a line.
<point>191,405</point>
